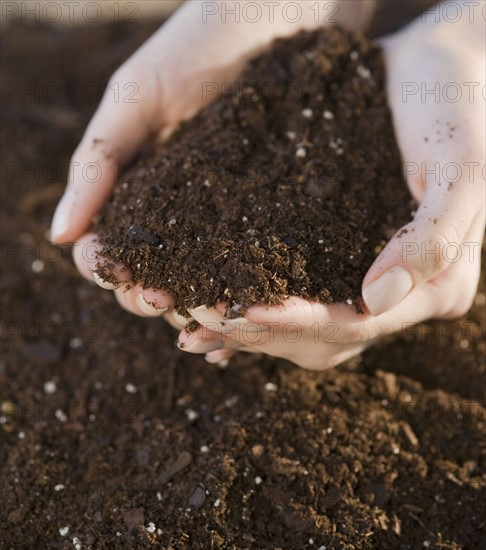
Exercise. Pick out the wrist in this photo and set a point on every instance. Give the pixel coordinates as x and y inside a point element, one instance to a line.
<point>460,22</point>
<point>466,22</point>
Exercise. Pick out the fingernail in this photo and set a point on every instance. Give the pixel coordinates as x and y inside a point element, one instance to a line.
<point>388,291</point>
<point>149,309</point>
<point>201,346</point>
<point>62,216</point>
<point>104,284</point>
<point>205,315</point>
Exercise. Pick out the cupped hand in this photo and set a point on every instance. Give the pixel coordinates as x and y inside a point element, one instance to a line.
<point>430,269</point>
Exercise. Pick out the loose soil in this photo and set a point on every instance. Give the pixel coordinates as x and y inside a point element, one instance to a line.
<point>113,438</point>
<point>288,185</point>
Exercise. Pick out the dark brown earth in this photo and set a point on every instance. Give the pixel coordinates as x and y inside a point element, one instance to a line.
<point>288,185</point>
<point>98,427</point>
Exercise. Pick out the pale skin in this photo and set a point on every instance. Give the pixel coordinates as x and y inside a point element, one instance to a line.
<point>429,271</point>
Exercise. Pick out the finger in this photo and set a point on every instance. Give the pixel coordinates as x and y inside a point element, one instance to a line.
<point>132,301</point>
<point>308,354</point>
<point>121,295</point>
<point>210,318</point>
<point>153,303</point>
<point>441,297</point>
<point>200,341</point>
<point>220,357</point>
<point>122,123</point>
<point>304,313</point>
<point>174,322</point>
<point>86,255</point>
<point>422,249</point>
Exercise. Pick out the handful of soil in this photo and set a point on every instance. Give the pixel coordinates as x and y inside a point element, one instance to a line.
<point>289,185</point>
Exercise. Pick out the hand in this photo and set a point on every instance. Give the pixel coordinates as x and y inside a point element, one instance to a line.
<point>430,269</point>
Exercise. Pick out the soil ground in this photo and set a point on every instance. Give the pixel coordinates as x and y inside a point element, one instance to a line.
<point>113,438</point>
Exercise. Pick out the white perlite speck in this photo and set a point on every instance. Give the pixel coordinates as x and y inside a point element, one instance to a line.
<point>328,115</point>
<point>63,531</point>
<point>307,113</point>
<point>37,266</point>
<point>270,386</point>
<point>130,388</point>
<point>301,152</point>
<point>75,343</point>
<point>50,387</point>
<point>61,415</point>
<point>258,480</point>
<point>363,72</point>
<point>191,415</point>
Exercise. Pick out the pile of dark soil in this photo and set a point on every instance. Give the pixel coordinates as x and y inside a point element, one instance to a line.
<point>288,186</point>
<point>113,438</point>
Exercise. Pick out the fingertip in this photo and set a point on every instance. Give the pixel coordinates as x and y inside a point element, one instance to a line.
<point>150,308</point>
<point>107,283</point>
<point>221,358</point>
<point>199,342</point>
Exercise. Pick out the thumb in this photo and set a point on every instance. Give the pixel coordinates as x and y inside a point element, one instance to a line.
<point>422,249</point>
<point>119,127</point>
